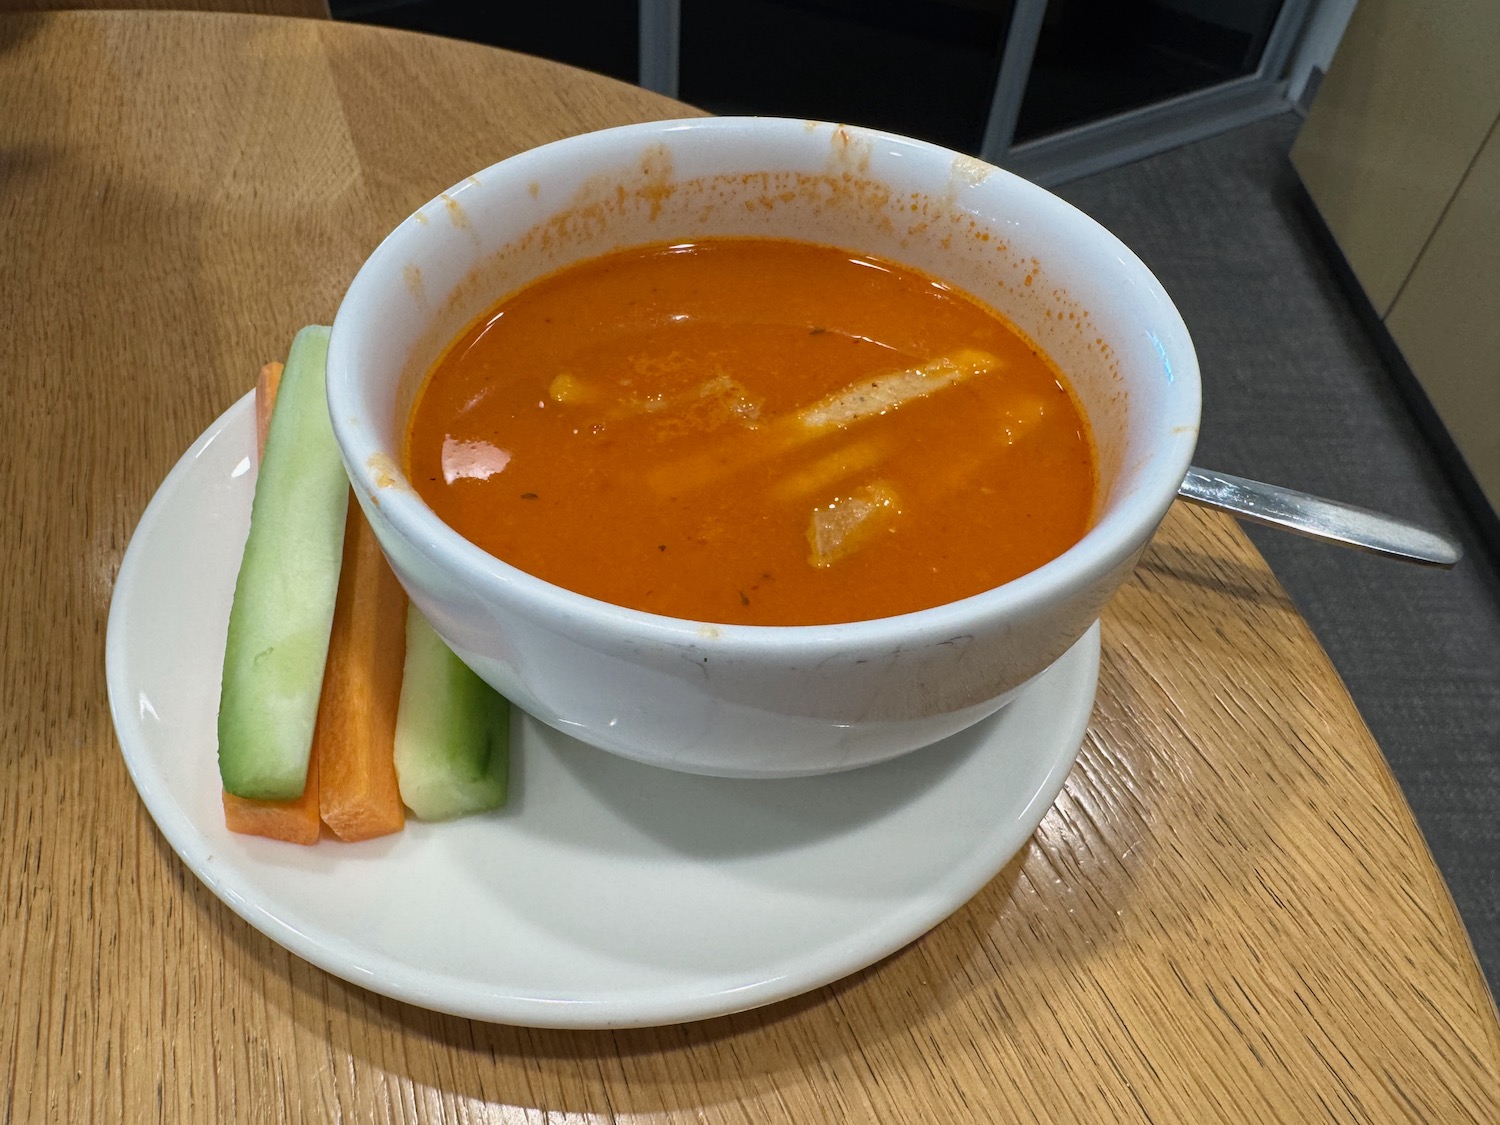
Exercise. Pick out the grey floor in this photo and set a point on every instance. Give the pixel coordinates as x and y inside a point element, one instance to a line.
<point>1296,391</point>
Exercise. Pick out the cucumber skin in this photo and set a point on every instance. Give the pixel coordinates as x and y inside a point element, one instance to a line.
<point>282,615</point>
<point>452,731</point>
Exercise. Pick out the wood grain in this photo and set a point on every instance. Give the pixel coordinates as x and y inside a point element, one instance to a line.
<point>1229,915</point>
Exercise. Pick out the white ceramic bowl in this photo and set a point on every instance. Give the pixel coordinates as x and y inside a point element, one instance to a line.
<point>756,701</point>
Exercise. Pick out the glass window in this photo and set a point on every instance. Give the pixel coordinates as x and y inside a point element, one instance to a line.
<point>1096,58</point>
<point>921,67</point>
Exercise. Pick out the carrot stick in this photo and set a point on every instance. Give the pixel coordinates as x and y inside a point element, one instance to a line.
<point>354,742</point>
<point>265,397</point>
<point>296,821</point>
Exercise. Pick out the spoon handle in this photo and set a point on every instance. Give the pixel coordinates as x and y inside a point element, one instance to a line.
<point>1319,518</point>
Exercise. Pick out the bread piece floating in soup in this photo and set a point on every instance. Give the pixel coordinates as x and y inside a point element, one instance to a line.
<point>754,431</point>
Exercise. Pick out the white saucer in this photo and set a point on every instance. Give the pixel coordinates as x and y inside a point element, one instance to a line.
<point>607,893</point>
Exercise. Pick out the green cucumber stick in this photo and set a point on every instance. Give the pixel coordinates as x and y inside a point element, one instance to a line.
<point>282,612</point>
<point>452,731</point>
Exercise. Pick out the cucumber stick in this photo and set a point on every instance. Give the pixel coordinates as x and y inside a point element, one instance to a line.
<point>282,613</point>
<point>452,731</point>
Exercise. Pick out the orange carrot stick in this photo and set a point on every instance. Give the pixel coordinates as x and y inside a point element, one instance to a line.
<point>296,821</point>
<point>265,397</point>
<point>354,742</point>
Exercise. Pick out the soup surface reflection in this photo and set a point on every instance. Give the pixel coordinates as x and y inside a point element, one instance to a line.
<point>753,432</point>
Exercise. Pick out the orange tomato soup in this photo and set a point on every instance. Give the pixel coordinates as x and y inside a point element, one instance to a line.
<point>753,431</point>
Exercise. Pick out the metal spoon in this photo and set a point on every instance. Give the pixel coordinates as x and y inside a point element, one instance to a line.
<point>1319,518</point>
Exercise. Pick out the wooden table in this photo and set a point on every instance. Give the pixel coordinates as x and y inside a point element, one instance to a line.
<point>1228,915</point>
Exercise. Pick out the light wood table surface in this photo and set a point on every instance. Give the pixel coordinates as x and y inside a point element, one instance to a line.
<point>1229,915</point>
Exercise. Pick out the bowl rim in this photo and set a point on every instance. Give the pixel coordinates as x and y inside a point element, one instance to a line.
<point>1110,542</point>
